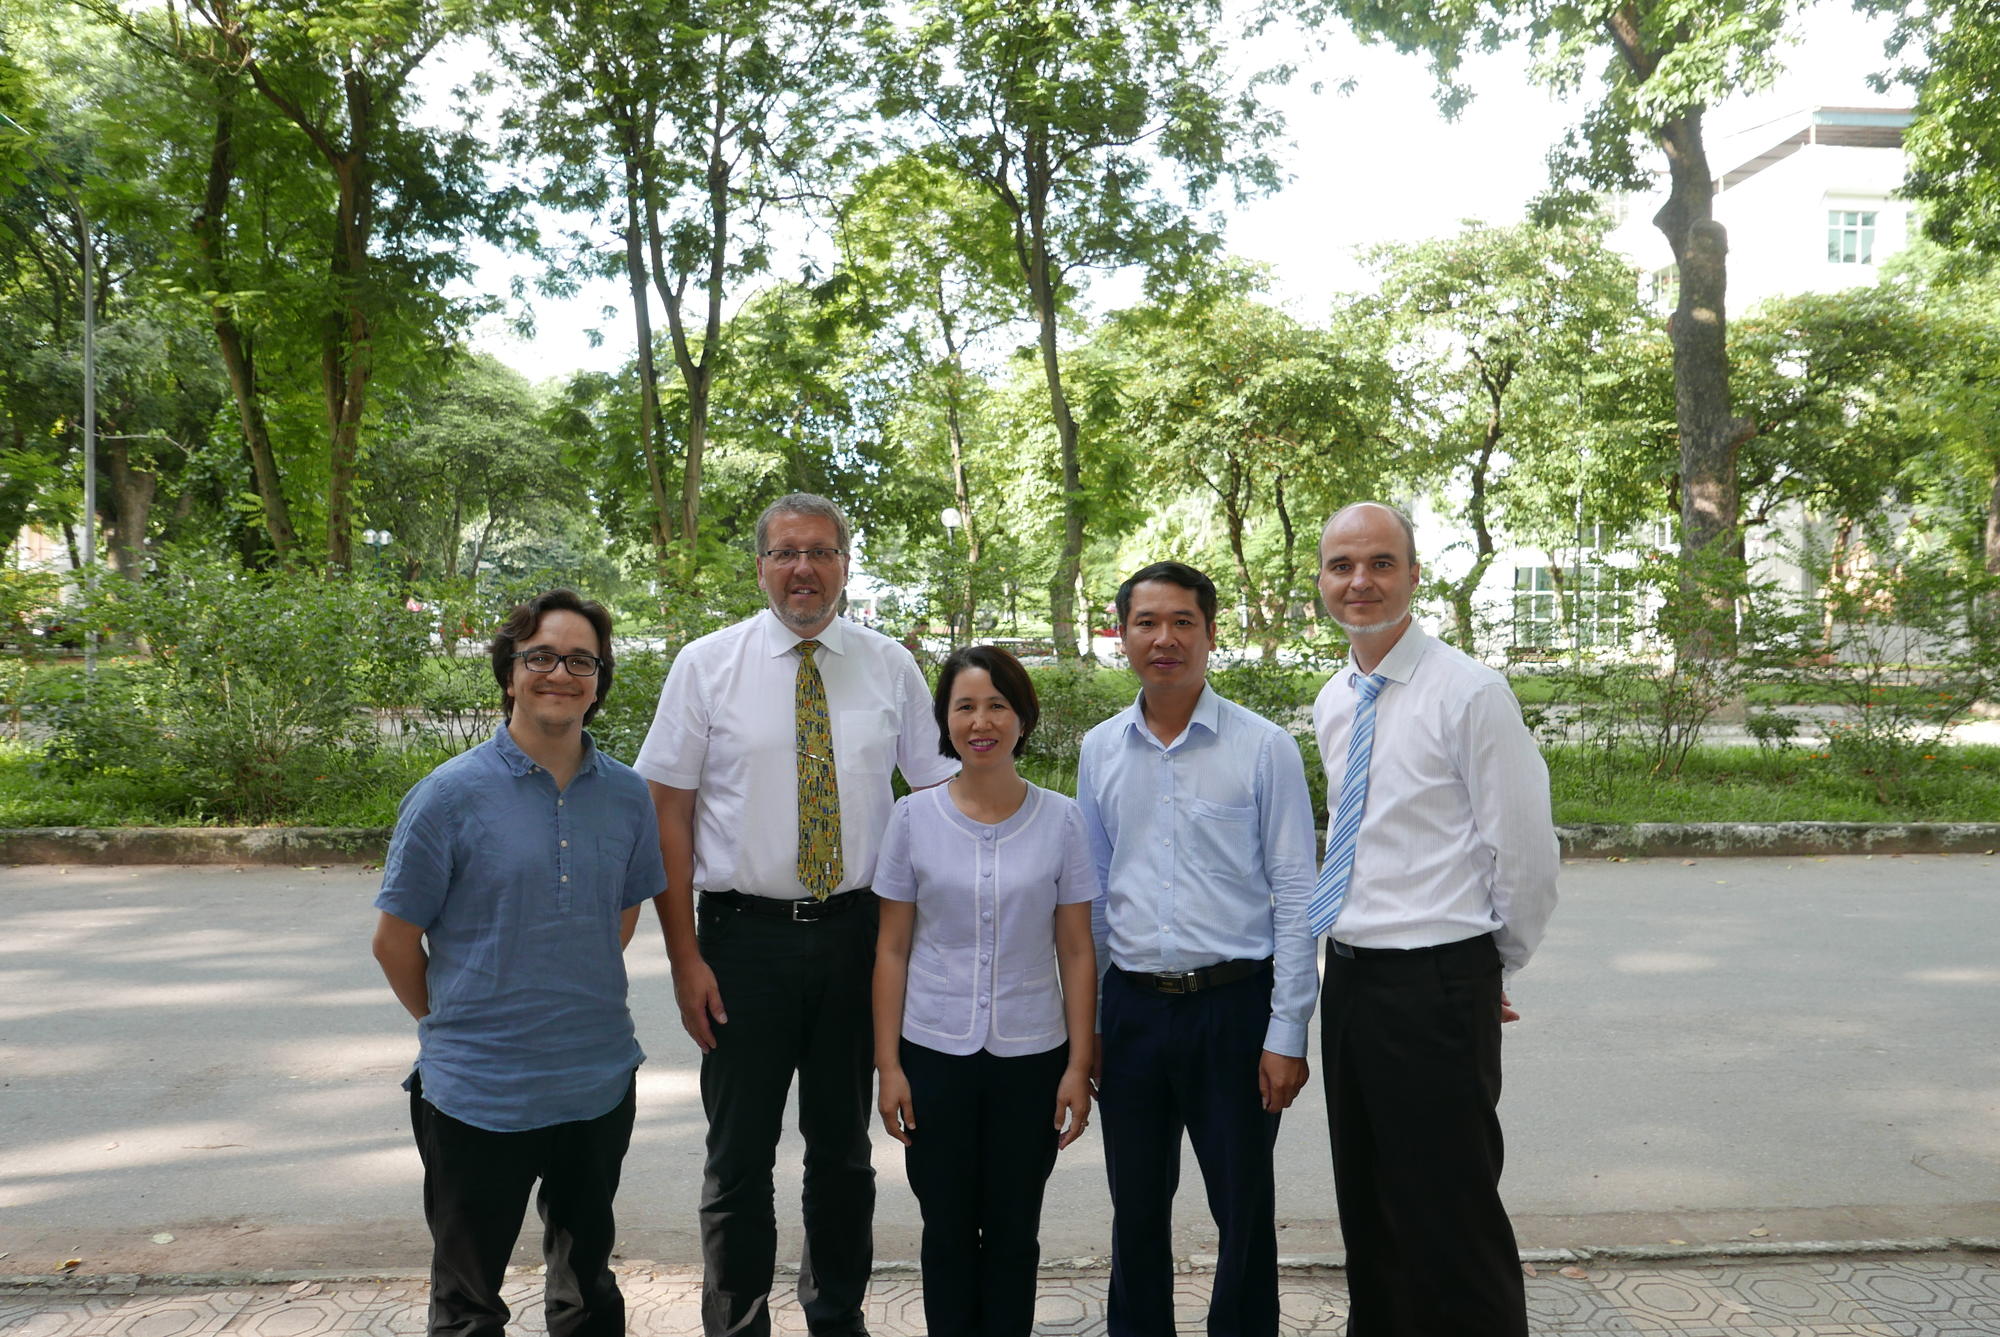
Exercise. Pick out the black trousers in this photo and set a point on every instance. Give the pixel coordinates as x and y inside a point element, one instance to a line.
<point>978,1161</point>
<point>797,998</point>
<point>1189,1061</point>
<point>476,1186</point>
<point>1411,1057</point>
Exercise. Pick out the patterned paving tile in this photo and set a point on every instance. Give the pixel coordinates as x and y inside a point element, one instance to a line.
<point>1921,1297</point>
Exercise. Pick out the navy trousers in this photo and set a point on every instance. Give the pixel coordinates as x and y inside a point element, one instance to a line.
<point>1411,1058</point>
<point>1188,1062</point>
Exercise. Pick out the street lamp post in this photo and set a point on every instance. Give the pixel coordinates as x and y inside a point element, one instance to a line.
<point>953,520</point>
<point>377,540</point>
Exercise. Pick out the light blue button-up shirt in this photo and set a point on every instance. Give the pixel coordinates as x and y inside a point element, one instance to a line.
<point>1206,851</point>
<point>519,888</point>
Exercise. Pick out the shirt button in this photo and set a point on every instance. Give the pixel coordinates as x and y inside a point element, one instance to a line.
<point>565,877</point>
<point>1166,798</point>
<point>986,915</point>
<point>984,1000</point>
<point>559,803</point>
<point>986,835</point>
<point>987,873</point>
<point>565,844</point>
<point>984,958</point>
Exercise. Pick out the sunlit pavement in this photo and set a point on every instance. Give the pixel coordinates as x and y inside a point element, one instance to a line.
<point>199,1068</point>
<point>1932,1296</point>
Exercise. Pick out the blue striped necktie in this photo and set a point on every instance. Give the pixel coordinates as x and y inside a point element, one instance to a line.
<point>1331,890</point>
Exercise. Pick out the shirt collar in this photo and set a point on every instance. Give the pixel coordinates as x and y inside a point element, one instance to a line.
<point>518,762</point>
<point>1400,664</point>
<point>780,639</point>
<point>1207,713</point>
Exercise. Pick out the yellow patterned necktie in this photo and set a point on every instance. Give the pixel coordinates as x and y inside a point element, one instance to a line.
<point>820,867</point>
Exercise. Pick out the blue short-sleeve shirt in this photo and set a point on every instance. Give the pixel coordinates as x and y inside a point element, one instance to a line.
<point>519,889</point>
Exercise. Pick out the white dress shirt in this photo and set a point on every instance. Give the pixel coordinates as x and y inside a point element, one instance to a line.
<point>727,728</point>
<point>1457,838</point>
<point>983,954</point>
<point>1205,849</point>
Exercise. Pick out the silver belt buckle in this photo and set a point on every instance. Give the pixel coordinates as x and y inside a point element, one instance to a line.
<point>798,910</point>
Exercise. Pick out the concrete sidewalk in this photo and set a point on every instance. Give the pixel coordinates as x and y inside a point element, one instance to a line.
<point>1933,1296</point>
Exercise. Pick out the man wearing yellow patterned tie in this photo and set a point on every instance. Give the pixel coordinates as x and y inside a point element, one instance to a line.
<point>774,817</point>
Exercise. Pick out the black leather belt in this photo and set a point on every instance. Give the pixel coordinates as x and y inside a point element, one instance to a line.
<point>805,910</point>
<point>1339,948</point>
<point>1194,981</point>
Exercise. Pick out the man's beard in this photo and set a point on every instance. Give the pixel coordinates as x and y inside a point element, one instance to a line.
<point>1368,628</point>
<point>803,621</point>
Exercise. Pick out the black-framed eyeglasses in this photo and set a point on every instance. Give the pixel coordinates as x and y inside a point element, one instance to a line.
<point>819,556</point>
<point>544,661</point>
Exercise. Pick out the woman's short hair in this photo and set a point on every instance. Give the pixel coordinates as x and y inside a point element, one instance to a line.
<point>521,624</point>
<point>1009,679</point>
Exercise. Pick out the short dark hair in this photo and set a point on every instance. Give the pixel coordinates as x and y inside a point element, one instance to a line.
<point>521,624</point>
<point>1009,679</point>
<point>1173,573</point>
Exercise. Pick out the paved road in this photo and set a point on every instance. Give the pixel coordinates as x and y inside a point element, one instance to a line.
<point>1803,1048</point>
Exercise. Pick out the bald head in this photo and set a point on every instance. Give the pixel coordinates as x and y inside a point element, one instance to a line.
<point>1345,512</point>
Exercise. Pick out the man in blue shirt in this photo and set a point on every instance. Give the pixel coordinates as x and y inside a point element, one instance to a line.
<point>513,883</point>
<point>1198,815</point>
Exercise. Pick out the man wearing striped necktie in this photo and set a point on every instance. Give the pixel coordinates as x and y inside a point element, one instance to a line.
<point>1438,879</point>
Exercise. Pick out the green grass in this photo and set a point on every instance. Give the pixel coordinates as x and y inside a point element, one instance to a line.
<point>363,793</point>
<point>1744,784</point>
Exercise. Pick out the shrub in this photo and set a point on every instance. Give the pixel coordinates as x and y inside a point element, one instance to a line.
<point>257,688</point>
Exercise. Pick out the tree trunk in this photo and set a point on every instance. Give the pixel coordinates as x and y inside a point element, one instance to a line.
<point>238,355</point>
<point>1465,621</point>
<point>699,376</point>
<point>1031,245</point>
<point>1232,505</point>
<point>1993,525</point>
<point>346,357</point>
<point>649,375</point>
<point>955,431</point>
<point>1709,435</point>
<point>1284,620</point>
<point>132,491</point>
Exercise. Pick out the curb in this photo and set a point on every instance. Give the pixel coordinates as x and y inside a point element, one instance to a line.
<point>83,845</point>
<point>1292,1264</point>
<point>279,845</point>
<point>1751,839</point>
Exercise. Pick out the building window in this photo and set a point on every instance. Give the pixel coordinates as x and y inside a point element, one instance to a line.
<point>1663,288</point>
<point>1850,236</point>
<point>1535,613</point>
<point>1594,604</point>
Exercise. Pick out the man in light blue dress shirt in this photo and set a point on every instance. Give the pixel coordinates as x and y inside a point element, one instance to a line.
<point>1199,819</point>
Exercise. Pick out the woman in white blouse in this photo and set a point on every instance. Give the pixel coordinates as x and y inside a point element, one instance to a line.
<point>985,994</point>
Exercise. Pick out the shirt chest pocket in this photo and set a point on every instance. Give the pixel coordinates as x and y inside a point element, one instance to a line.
<point>864,743</point>
<point>1222,839</point>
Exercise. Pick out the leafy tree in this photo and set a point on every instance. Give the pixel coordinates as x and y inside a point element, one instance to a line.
<point>930,259</point>
<point>1663,64</point>
<point>701,125</point>
<point>474,460</point>
<point>1063,112</point>
<point>1950,50</point>
<point>1275,422</point>
<point>1496,327</point>
<point>400,196</point>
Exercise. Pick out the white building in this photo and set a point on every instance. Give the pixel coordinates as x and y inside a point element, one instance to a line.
<point>1809,199</point>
